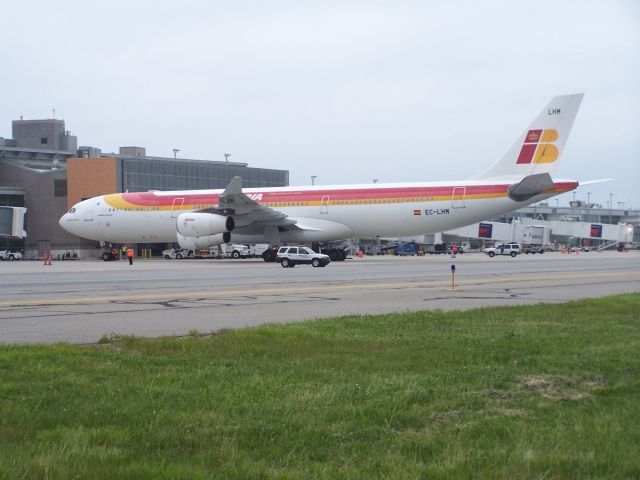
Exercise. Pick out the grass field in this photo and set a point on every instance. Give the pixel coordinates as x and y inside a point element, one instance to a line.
<point>550,391</point>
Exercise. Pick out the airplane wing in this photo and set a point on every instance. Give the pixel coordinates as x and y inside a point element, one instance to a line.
<point>244,210</point>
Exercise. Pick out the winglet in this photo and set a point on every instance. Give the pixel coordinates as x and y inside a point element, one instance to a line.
<point>234,187</point>
<point>231,193</point>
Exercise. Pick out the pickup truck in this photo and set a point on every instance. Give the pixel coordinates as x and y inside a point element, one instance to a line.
<point>237,251</point>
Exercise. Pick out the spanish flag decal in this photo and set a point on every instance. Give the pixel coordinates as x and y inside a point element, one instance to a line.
<point>417,212</point>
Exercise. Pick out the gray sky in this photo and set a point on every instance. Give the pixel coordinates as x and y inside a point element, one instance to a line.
<point>345,90</point>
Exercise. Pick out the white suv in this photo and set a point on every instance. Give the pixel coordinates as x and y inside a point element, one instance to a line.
<point>289,257</point>
<point>512,249</point>
<point>9,255</point>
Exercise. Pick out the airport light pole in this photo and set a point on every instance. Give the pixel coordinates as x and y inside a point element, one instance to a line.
<point>611,208</point>
<point>313,180</point>
<point>226,162</point>
<point>588,199</point>
<point>175,152</point>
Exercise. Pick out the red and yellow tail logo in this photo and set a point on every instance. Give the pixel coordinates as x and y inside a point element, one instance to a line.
<point>538,147</point>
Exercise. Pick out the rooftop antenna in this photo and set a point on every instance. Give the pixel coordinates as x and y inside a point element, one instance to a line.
<point>54,113</point>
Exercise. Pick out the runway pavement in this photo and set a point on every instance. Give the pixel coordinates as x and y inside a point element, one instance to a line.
<point>80,301</point>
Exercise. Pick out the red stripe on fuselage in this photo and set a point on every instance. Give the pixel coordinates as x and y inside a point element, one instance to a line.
<point>152,199</point>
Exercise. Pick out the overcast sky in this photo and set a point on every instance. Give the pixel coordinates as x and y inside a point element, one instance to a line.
<point>349,91</point>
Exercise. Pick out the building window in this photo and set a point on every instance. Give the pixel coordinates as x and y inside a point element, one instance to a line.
<point>60,188</point>
<point>44,141</point>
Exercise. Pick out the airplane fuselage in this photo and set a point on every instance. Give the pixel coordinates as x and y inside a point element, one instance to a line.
<point>328,212</point>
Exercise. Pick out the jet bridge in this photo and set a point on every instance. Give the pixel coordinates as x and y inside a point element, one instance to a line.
<point>542,232</point>
<point>12,222</point>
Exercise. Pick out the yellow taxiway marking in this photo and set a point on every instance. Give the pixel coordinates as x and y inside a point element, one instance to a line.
<point>173,295</point>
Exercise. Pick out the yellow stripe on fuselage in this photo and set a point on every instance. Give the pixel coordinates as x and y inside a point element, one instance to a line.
<point>115,200</point>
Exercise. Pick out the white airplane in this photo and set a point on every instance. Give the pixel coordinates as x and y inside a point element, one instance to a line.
<point>201,218</point>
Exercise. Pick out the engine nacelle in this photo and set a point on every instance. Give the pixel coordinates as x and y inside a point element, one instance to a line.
<point>196,243</point>
<point>195,224</point>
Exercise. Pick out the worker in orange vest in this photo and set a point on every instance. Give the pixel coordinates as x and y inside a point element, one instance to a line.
<point>130,255</point>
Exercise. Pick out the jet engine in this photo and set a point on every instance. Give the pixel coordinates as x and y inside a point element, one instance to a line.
<point>196,243</point>
<point>194,224</point>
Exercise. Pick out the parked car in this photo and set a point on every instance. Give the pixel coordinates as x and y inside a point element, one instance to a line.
<point>178,254</point>
<point>10,255</point>
<point>289,257</point>
<point>437,249</point>
<point>110,255</point>
<point>512,249</point>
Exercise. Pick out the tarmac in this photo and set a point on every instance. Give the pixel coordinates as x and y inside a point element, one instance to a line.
<point>82,301</point>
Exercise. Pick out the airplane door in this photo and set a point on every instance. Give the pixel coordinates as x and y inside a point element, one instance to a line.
<point>458,196</point>
<point>176,207</point>
<point>324,204</point>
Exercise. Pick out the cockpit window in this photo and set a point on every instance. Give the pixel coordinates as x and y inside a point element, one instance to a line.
<point>73,210</point>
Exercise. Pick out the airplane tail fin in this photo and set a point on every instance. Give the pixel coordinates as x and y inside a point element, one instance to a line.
<point>538,148</point>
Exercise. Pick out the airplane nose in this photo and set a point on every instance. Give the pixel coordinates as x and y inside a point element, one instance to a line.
<point>62,220</point>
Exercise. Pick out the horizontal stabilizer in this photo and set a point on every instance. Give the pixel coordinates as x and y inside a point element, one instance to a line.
<point>530,186</point>
<point>591,182</point>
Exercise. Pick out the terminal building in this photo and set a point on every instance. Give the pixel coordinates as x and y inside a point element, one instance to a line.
<point>43,169</point>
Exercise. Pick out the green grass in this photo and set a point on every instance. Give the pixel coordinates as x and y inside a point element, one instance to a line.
<point>549,391</point>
